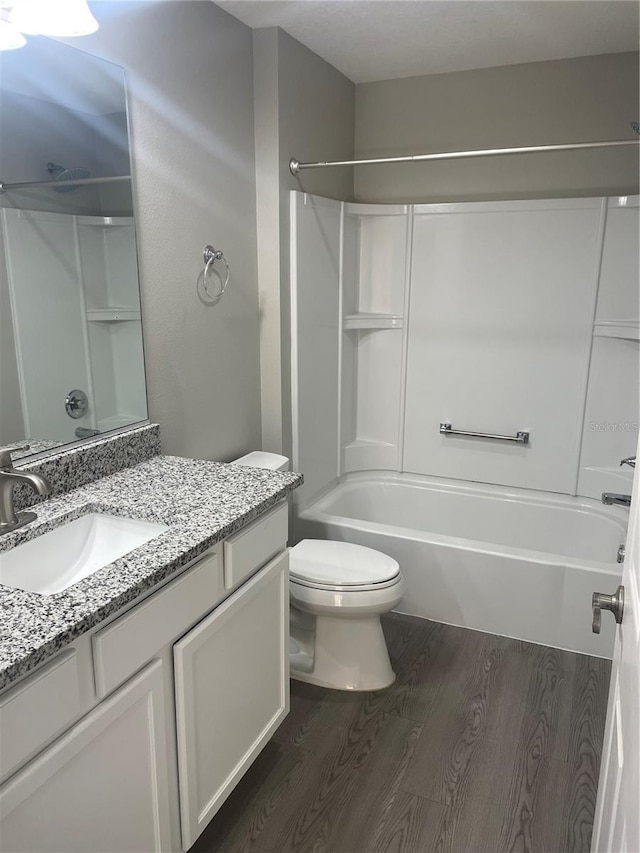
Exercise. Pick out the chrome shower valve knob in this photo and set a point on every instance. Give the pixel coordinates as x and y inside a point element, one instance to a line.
<point>76,403</point>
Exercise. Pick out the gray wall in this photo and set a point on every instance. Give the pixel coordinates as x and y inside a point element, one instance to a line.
<point>304,108</point>
<point>573,100</point>
<point>189,72</point>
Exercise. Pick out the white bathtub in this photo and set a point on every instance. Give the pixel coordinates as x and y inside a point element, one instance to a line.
<point>513,562</point>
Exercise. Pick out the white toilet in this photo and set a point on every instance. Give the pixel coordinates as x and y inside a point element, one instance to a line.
<point>338,593</point>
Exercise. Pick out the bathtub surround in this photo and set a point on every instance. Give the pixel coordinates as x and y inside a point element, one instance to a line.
<point>201,502</point>
<point>586,99</point>
<point>73,467</point>
<point>482,743</point>
<point>494,317</point>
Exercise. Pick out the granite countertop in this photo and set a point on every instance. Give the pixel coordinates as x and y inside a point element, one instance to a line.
<point>29,446</point>
<point>201,502</point>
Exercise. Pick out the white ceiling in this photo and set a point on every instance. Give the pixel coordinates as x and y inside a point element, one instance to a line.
<point>382,39</point>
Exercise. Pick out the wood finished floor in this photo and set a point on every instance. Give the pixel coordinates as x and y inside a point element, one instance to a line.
<point>482,744</point>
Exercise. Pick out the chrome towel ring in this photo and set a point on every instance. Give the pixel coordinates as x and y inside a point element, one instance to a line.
<point>210,256</point>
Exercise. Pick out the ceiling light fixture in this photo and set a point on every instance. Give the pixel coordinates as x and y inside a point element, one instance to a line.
<point>59,18</point>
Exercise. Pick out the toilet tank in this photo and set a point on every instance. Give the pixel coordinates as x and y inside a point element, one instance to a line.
<point>261,459</point>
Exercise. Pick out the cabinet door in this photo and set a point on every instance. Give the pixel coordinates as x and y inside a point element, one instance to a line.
<point>232,692</point>
<point>102,786</point>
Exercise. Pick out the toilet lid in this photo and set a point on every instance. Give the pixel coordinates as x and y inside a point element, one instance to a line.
<point>319,561</point>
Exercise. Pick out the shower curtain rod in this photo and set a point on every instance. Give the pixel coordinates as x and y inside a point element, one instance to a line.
<point>71,182</point>
<point>295,166</point>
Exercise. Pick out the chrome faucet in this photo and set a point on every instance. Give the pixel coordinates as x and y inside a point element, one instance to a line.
<point>10,477</point>
<point>630,461</point>
<point>613,499</point>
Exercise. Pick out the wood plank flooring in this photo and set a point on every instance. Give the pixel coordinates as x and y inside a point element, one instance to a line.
<point>483,744</point>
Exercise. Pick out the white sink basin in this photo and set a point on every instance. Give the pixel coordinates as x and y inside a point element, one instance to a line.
<point>56,560</point>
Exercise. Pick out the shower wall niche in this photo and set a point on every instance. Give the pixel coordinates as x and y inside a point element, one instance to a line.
<point>496,317</point>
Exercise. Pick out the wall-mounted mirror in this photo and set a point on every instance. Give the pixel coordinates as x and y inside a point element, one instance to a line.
<point>71,355</point>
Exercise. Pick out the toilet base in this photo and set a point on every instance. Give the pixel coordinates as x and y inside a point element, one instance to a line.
<point>342,653</point>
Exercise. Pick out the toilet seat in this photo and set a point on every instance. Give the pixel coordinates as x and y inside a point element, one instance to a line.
<point>371,587</point>
<point>341,566</point>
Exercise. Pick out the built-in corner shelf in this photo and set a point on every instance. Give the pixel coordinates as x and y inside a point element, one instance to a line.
<point>628,330</point>
<point>112,315</point>
<point>373,321</point>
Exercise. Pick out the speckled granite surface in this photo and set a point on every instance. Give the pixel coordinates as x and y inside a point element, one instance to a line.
<point>202,502</point>
<point>35,445</point>
<point>72,467</point>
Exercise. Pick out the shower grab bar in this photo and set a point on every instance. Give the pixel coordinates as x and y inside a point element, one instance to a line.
<point>22,185</point>
<point>521,437</point>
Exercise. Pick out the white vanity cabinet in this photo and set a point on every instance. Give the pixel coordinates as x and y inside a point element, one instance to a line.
<point>102,786</point>
<point>165,708</point>
<point>232,692</point>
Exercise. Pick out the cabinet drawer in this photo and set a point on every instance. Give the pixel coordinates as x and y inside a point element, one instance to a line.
<point>38,709</point>
<point>255,544</point>
<point>124,646</point>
